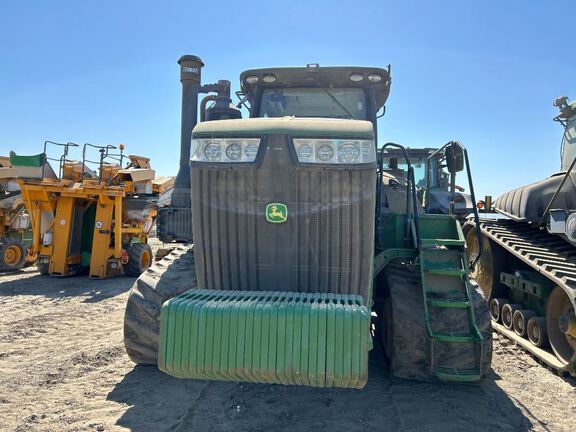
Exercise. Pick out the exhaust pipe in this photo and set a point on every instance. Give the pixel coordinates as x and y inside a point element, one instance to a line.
<point>190,77</point>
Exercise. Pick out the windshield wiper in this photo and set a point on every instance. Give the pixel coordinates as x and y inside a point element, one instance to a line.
<point>334,99</point>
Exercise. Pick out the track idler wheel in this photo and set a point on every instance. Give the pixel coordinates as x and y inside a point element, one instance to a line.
<point>496,308</point>
<point>487,270</point>
<point>507,314</point>
<point>561,325</point>
<point>536,331</point>
<point>520,321</point>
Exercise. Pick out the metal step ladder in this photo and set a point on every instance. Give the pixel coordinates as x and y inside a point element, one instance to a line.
<point>446,287</point>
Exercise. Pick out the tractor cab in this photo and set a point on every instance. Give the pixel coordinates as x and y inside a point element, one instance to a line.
<point>351,92</point>
<point>432,180</point>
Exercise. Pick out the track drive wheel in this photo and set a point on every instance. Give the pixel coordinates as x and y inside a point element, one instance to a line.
<point>405,338</point>
<point>170,277</point>
<point>488,268</point>
<point>139,259</point>
<point>12,254</point>
<point>561,325</point>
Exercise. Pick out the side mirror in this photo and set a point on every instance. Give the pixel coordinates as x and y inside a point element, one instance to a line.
<point>454,158</point>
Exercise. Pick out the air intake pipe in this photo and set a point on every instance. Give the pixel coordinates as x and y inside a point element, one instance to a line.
<point>174,222</point>
<point>190,77</point>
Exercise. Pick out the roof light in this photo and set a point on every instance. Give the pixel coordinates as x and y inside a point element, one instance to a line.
<point>269,78</point>
<point>252,79</point>
<point>374,77</point>
<point>356,77</point>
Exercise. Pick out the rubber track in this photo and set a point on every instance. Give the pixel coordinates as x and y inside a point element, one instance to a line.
<point>548,254</point>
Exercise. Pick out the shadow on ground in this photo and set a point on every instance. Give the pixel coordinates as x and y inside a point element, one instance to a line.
<point>160,402</point>
<point>33,284</point>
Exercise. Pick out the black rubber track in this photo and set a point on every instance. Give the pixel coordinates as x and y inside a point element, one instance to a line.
<point>170,277</point>
<point>405,334</point>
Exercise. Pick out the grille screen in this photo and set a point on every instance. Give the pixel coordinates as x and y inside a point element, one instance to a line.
<point>324,245</point>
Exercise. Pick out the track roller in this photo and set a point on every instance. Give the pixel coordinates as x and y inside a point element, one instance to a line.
<point>496,308</point>
<point>507,314</point>
<point>520,321</point>
<point>536,331</point>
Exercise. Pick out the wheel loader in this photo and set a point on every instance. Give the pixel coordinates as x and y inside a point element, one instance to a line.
<point>301,247</point>
<point>87,220</point>
<point>527,267</point>
<point>14,222</point>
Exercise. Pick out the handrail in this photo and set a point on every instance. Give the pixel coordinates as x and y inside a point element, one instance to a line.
<point>104,153</point>
<point>62,158</point>
<point>410,190</point>
<point>453,190</point>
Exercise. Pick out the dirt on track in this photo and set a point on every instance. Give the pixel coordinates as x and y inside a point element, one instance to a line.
<point>63,368</point>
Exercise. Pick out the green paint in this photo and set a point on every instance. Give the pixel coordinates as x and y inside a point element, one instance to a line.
<point>319,340</point>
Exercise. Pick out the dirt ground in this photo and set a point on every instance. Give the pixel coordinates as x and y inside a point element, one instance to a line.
<point>63,368</point>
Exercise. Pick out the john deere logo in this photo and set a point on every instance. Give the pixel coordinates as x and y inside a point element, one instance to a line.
<point>276,212</point>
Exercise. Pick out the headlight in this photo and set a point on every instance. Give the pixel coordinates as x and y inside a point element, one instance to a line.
<point>226,150</point>
<point>335,151</point>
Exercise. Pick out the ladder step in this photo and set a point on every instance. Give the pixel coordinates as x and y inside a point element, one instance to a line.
<point>441,242</point>
<point>452,304</point>
<point>452,292</point>
<point>461,375</point>
<point>445,271</point>
<point>452,338</point>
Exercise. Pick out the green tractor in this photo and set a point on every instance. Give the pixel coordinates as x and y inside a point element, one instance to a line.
<point>302,248</point>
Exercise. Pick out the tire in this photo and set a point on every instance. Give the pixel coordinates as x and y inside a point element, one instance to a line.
<point>12,255</point>
<point>42,266</point>
<point>405,334</point>
<point>139,259</point>
<point>168,278</point>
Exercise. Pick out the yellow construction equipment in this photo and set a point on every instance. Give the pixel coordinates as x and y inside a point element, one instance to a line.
<point>14,221</point>
<point>82,219</point>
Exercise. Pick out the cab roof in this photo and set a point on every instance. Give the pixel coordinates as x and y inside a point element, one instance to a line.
<point>314,75</point>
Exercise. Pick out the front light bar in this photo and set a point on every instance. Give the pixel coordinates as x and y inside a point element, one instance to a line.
<point>226,150</point>
<point>335,151</point>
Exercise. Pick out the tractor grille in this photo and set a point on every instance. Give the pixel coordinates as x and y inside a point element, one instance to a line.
<point>325,245</point>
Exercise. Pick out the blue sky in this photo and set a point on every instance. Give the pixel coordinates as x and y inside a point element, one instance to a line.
<point>105,72</point>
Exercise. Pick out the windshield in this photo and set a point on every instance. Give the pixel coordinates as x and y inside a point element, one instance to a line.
<point>346,103</point>
<point>398,163</point>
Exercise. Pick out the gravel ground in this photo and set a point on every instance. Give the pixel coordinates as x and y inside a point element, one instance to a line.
<point>63,368</point>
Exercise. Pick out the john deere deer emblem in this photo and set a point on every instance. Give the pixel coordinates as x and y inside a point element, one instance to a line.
<point>276,212</point>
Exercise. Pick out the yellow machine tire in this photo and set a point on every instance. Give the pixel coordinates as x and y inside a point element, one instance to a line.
<point>170,277</point>
<point>12,255</point>
<point>140,258</point>
<point>43,266</point>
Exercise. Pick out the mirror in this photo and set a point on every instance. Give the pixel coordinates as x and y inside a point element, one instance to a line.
<point>454,158</point>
